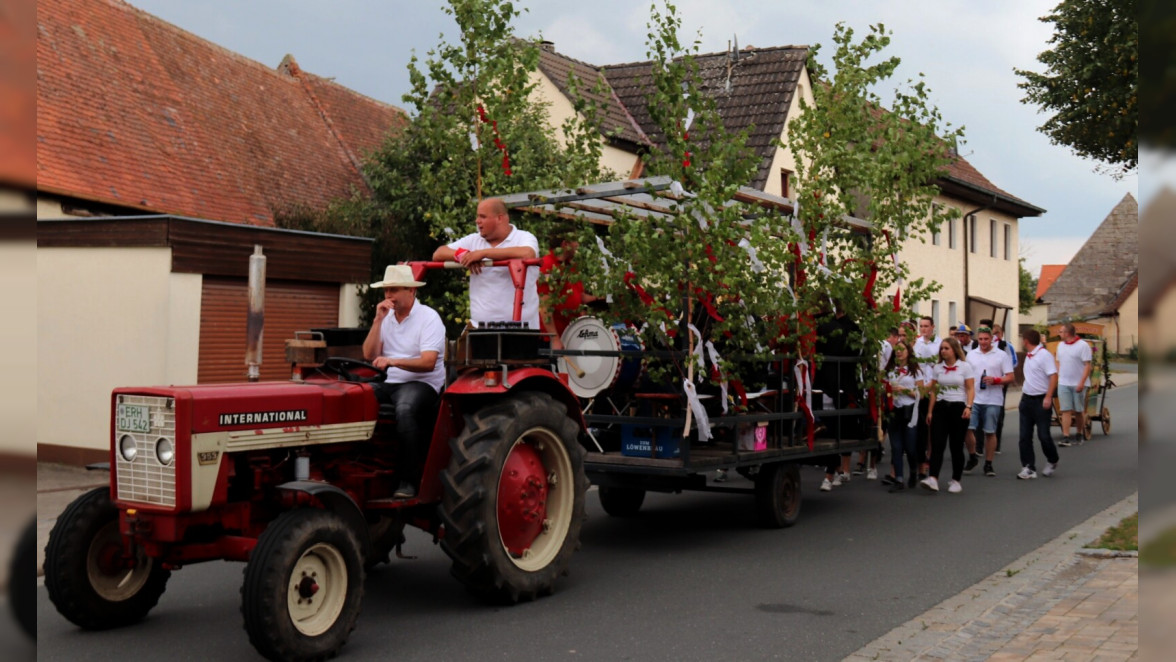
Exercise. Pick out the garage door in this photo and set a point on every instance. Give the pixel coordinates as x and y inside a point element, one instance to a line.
<point>289,306</point>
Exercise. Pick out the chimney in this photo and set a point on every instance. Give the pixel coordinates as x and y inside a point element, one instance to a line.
<point>548,46</point>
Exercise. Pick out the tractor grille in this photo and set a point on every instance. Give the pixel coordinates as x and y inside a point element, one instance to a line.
<point>145,479</point>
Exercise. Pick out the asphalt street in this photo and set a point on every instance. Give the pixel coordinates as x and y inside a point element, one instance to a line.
<point>690,578</point>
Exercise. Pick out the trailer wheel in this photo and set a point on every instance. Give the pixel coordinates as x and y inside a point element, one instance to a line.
<point>513,499</point>
<point>1106,420</point>
<point>303,586</point>
<point>22,580</point>
<point>621,501</point>
<point>87,575</point>
<point>777,495</point>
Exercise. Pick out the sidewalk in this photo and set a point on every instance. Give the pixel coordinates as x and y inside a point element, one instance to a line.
<point>1058,602</point>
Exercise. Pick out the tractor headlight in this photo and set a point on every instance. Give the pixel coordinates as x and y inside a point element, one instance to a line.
<point>127,448</point>
<point>164,450</point>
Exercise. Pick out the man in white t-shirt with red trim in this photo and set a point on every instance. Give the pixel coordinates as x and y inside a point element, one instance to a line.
<point>1036,408</point>
<point>492,292</point>
<point>993,368</point>
<point>1074,366</point>
<point>407,340</point>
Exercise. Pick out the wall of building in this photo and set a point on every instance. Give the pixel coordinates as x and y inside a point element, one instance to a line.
<point>1158,332</point>
<point>349,300</point>
<point>49,208</point>
<point>993,278</point>
<point>559,109</point>
<point>121,314</point>
<point>1038,315</point>
<point>18,400</point>
<point>785,159</point>
<point>1122,332</point>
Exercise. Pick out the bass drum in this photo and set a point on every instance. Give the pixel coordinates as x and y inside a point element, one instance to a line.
<point>600,373</point>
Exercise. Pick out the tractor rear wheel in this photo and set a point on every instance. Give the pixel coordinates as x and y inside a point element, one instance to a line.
<point>777,494</point>
<point>621,501</point>
<point>89,577</point>
<point>303,586</point>
<point>513,498</point>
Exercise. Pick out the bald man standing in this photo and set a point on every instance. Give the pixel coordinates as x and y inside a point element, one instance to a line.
<point>492,291</point>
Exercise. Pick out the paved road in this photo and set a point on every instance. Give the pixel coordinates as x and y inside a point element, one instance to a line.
<point>691,578</point>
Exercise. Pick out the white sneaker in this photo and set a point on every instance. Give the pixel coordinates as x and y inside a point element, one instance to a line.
<point>1027,474</point>
<point>720,475</point>
<point>844,477</point>
<point>836,480</point>
<point>930,483</point>
<point>1050,468</point>
<point>826,486</point>
<point>955,487</point>
<point>872,474</point>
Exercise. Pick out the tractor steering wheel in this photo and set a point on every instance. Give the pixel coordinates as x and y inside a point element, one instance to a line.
<point>342,366</point>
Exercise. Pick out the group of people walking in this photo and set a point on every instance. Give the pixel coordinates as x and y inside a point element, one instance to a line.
<point>948,397</point>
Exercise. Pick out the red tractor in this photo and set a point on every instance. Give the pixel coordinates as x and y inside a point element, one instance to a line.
<point>296,479</point>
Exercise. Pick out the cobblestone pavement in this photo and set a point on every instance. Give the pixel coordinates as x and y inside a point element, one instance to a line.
<point>1055,603</point>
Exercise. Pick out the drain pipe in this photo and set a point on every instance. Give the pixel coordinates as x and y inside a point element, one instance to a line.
<point>255,324</point>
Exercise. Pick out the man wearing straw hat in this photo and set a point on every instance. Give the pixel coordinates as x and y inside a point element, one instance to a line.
<point>407,339</point>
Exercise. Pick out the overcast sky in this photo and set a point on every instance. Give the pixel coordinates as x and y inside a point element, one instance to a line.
<point>967,51</point>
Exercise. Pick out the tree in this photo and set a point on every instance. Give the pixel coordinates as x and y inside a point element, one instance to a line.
<point>477,131</point>
<point>856,158</point>
<point>1026,289</point>
<point>1091,80</point>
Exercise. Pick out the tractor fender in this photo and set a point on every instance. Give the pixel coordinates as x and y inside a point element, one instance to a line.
<point>339,502</point>
<point>519,379</point>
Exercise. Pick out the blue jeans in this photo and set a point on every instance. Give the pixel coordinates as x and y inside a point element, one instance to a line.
<point>1034,414</point>
<point>416,411</point>
<point>903,439</point>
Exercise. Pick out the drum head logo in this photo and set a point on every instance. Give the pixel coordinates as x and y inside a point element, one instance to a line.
<point>585,334</point>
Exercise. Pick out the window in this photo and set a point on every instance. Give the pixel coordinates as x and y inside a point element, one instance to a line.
<point>951,313</point>
<point>936,235</point>
<point>935,312</point>
<point>971,229</point>
<point>785,176</point>
<point>951,234</point>
<point>915,309</point>
<point>1008,242</point>
<point>992,237</point>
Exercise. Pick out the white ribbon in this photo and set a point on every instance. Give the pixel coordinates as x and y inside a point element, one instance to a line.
<point>710,348</point>
<point>756,265</point>
<point>697,351</point>
<point>676,189</point>
<point>803,242</point>
<point>603,252</point>
<point>803,387</point>
<point>703,423</point>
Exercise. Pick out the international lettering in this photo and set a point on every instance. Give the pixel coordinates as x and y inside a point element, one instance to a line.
<point>263,417</point>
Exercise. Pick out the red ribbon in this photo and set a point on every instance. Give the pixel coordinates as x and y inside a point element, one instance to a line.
<point>497,140</point>
<point>950,368</point>
<point>641,293</point>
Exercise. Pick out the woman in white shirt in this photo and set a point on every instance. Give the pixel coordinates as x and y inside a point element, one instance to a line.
<point>902,370</point>
<point>951,393</point>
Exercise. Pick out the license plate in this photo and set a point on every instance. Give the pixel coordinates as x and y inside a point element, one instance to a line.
<point>133,418</point>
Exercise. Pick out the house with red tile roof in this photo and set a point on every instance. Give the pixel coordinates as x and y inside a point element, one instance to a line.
<point>975,258</point>
<point>163,162</point>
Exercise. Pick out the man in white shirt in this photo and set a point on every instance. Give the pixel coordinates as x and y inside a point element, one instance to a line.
<point>407,339</point>
<point>927,355</point>
<point>992,368</point>
<point>1036,408</point>
<point>492,292</point>
<point>1074,366</point>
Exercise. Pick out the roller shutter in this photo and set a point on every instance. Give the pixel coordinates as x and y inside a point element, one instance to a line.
<point>289,306</point>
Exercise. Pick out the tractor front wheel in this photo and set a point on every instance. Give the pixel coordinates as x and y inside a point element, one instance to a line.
<point>94,577</point>
<point>513,500</point>
<point>303,587</point>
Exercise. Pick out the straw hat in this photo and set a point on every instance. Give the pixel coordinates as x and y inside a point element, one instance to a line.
<point>398,275</point>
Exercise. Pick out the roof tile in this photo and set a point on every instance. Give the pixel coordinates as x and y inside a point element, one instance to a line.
<point>133,111</point>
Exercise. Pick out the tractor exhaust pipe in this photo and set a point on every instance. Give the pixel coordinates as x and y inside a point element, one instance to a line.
<point>255,324</point>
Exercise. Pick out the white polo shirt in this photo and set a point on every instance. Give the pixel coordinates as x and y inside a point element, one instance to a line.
<point>993,363</point>
<point>884,354</point>
<point>901,380</point>
<point>1072,360</point>
<point>928,355</point>
<point>1039,365</point>
<point>950,381</point>
<point>492,292</point>
<point>422,331</point>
